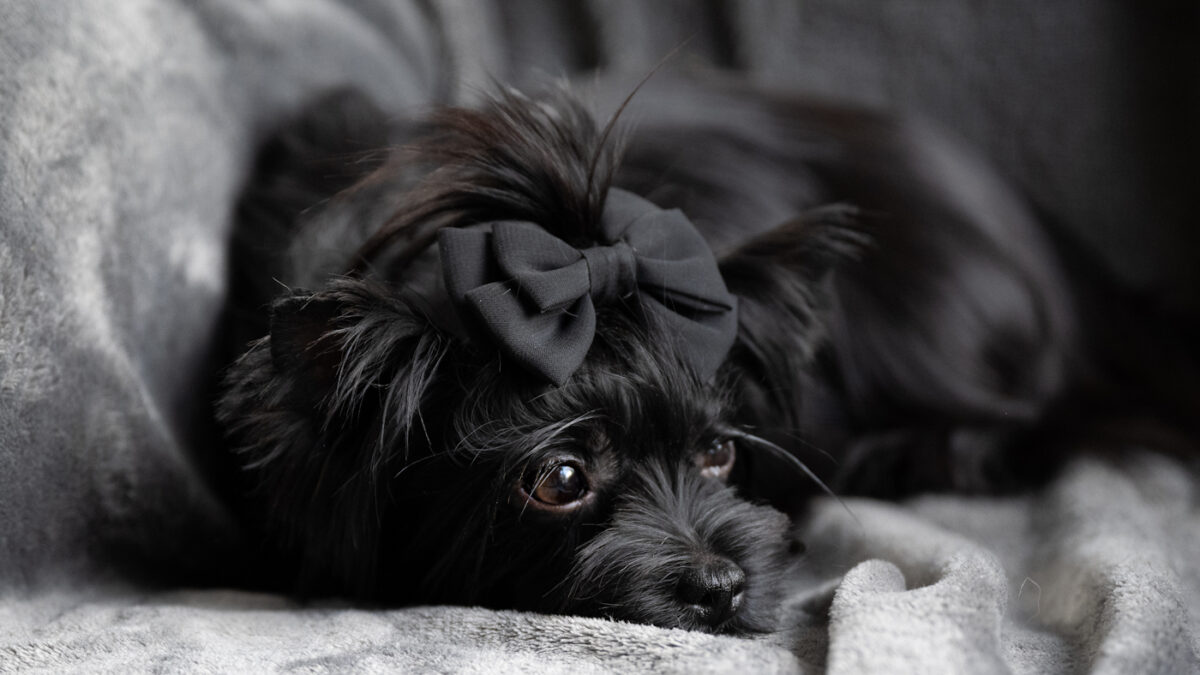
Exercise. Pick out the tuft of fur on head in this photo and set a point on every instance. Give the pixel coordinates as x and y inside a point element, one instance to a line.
<point>538,160</point>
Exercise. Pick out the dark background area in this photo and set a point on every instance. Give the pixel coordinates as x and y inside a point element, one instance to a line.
<point>1089,107</point>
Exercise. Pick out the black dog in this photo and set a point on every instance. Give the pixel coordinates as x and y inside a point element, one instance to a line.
<point>525,379</point>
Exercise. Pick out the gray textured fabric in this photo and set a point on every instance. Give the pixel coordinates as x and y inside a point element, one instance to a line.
<point>1094,573</point>
<point>127,127</point>
<point>125,132</point>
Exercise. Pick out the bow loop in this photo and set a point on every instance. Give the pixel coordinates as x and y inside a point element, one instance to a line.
<point>544,268</point>
<point>536,295</point>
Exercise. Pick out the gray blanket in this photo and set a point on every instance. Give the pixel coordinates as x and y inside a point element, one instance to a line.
<point>126,130</point>
<point>1095,573</point>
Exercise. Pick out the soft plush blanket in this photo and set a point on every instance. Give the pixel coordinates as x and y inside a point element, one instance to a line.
<point>126,131</point>
<point>1096,573</point>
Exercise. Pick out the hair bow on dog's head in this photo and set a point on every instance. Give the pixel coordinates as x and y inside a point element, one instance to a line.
<point>536,295</point>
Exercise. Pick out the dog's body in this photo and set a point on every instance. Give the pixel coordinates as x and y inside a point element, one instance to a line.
<point>896,306</point>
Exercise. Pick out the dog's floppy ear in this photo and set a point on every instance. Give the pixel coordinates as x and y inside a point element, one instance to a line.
<point>941,341</point>
<point>325,410</point>
<point>348,342</point>
<point>781,278</point>
<point>303,341</point>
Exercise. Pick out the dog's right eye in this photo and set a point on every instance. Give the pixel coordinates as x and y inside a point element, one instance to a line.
<point>559,485</point>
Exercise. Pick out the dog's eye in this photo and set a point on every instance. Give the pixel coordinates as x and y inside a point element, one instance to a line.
<point>717,459</point>
<point>561,485</point>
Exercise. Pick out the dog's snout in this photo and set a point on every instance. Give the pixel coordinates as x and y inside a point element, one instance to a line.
<point>713,589</point>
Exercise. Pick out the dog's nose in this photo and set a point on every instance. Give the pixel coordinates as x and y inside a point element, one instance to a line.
<point>713,588</point>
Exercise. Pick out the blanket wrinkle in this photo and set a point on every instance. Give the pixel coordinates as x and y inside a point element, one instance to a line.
<point>919,589</point>
<point>1108,581</point>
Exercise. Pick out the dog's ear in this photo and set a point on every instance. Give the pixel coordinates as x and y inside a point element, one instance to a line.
<point>782,280</point>
<point>303,342</point>
<point>940,341</point>
<point>325,410</point>
<point>345,344</point>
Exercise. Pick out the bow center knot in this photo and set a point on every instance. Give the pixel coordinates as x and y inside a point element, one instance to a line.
<point>612,271</point>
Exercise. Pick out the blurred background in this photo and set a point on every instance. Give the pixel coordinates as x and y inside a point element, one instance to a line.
<point>1090,106</point>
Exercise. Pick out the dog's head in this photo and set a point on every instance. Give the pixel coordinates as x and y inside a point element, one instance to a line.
<point>412,445</point>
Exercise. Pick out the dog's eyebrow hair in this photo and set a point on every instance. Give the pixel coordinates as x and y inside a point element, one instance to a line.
<point>557,430</point>
<point>504,436</point>
<point>467,436</point>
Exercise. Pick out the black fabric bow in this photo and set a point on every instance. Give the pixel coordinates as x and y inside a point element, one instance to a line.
<point>536,295</point>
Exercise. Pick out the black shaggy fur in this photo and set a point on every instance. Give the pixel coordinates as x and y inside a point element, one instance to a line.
<point>899,309</point>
